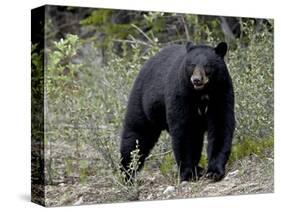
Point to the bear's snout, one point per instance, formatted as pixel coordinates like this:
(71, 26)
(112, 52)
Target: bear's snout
(199, 78)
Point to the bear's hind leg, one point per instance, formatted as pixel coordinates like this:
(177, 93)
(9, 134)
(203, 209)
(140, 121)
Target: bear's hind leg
(144, 139)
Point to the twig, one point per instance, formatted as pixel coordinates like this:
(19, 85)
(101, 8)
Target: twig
(143, 33)
(185, 28)
(159, 154)
(133, 42)
(182, 41)
(226, 29)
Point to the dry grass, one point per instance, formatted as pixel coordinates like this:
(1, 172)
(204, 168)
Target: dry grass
(250, 175)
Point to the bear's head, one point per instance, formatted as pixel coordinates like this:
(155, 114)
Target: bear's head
(204, 64)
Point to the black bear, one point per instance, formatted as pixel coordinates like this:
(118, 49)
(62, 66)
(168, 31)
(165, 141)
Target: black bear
(186, 90)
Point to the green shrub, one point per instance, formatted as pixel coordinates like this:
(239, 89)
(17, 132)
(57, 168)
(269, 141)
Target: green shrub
(251, 68)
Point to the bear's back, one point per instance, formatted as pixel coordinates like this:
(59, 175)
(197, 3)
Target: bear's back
(156, 70)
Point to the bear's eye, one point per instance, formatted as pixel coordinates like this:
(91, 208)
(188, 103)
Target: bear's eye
(208, 69)
(207, 72)
(190, 66)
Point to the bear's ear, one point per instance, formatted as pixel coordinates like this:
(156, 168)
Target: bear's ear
(188, 46)
(221, 49)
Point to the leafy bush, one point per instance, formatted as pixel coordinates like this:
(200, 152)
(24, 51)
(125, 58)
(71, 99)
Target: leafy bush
(251, 68)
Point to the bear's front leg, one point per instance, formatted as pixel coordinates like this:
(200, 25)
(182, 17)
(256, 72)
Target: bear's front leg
(187, 144)
(187, 132)
(218, 154)
(221, 124)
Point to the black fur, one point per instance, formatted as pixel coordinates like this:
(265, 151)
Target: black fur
(163, 98)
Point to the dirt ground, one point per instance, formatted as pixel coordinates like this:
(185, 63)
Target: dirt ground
(251, 175)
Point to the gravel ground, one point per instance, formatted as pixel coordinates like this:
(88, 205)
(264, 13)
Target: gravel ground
(251, 175)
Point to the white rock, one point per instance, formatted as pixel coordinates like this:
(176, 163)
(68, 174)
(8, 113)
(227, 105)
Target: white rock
(184, 183)
(231, 174)
(270, 159)
(169, 190)
(79, 202)
(149, 197)
(234, 173)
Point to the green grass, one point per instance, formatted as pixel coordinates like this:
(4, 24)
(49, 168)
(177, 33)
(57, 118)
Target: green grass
(245, 148)
(239, 151)
(250, 147)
